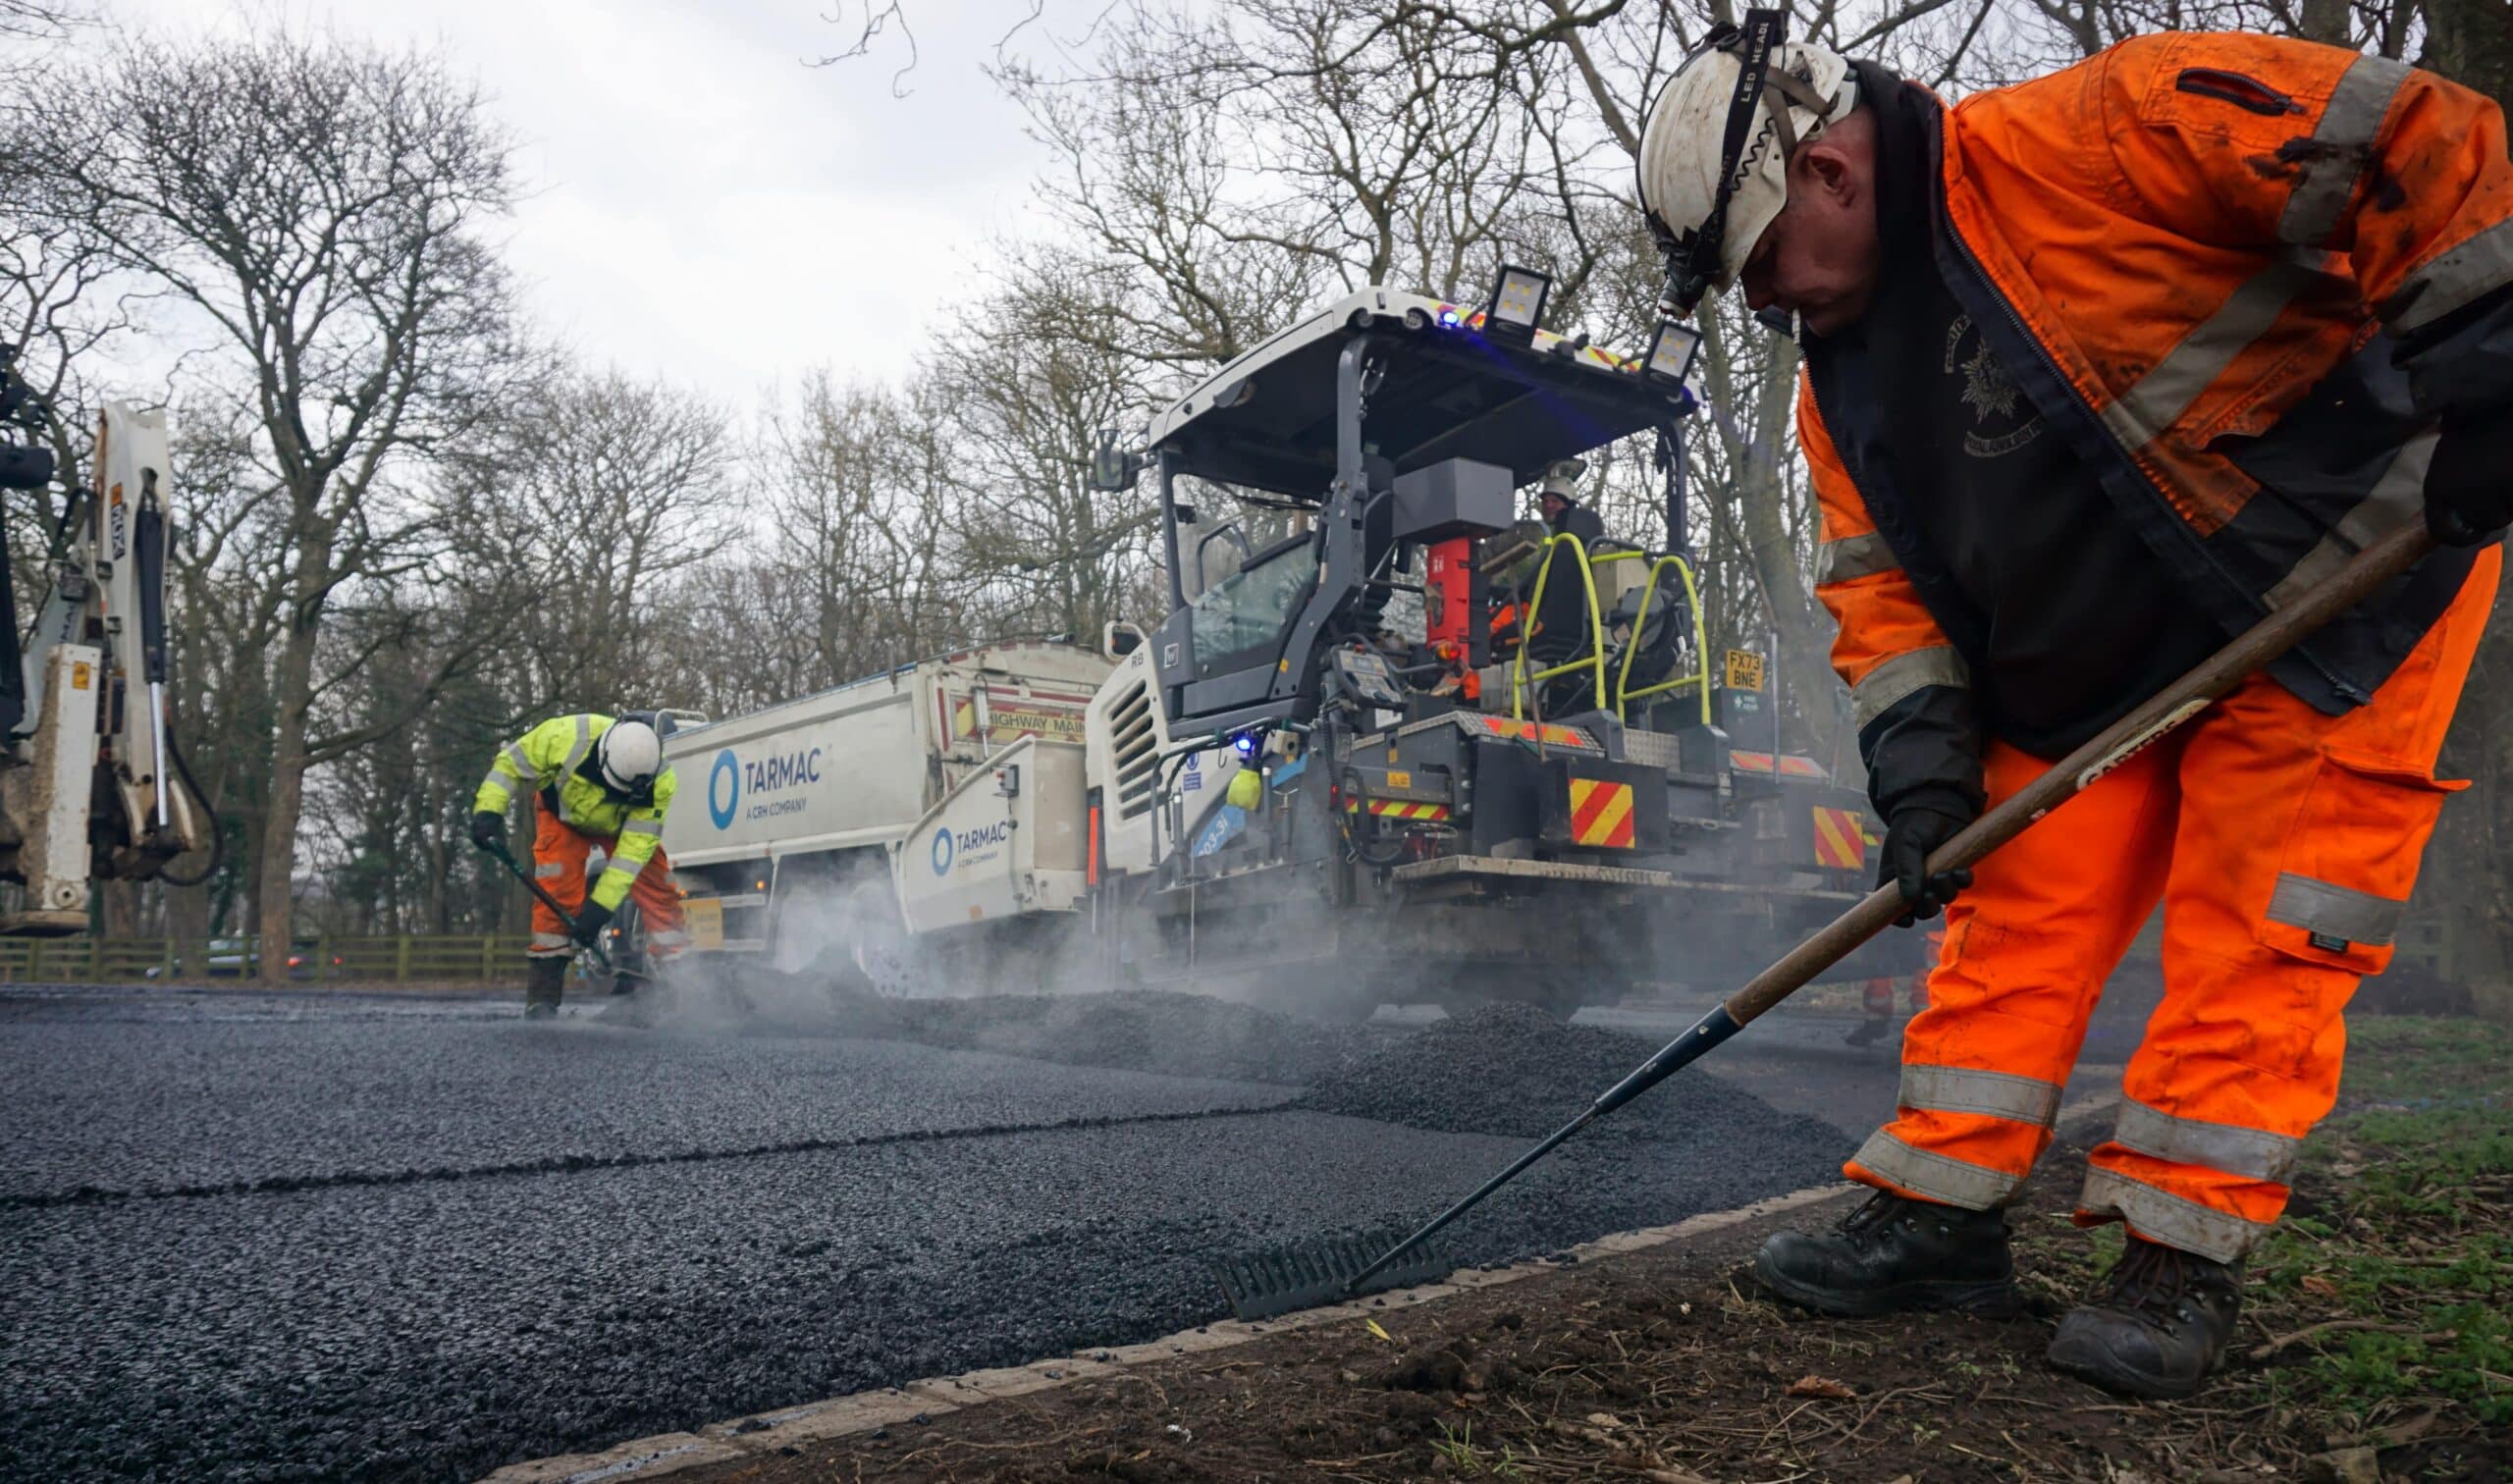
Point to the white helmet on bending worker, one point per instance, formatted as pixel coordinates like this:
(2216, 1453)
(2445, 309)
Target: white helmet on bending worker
(1696, 138)
(629, 755)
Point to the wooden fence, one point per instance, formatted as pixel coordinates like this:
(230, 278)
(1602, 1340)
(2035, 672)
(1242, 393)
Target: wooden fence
(408, 959)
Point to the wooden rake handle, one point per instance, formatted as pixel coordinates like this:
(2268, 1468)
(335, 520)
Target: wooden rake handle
(2176, 703)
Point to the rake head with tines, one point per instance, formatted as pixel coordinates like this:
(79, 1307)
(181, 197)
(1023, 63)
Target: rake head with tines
(1283, 1280)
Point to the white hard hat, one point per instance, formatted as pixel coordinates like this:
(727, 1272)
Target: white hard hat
(1685, 150)
(629, 755)
(1561, 475)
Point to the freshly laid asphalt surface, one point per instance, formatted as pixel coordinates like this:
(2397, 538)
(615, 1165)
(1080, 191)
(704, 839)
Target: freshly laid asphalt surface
(253, 1236)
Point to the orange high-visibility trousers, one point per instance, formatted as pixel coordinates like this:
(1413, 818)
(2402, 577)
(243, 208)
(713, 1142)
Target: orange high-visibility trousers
(559, 854)
(2282, 844)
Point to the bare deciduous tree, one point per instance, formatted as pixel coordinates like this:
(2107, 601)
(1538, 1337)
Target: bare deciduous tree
(317, 208)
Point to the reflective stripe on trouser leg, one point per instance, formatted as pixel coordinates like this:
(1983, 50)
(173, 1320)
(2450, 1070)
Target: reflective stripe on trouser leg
(2298, 833)
(2026, 949)
(2161, 1216)
(1888, 1160)
(1963, 1089)
(559, 854)
(549, 945)
(658, 902)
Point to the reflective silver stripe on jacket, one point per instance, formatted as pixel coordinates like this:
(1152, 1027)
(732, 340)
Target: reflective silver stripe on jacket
(522, 761)
(1964, 1089)
(505, 784)
(2167, 392)
(2169, 1219)
(2341, 144)
(2453, 279)
(2398, 498)
(575, 758)
(1876, 691)
(2359, 917)
(1854, 557)
(2252, 1153)
(1934, 1174)
(642, 827)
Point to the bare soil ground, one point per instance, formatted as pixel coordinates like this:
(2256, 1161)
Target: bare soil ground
(2375, 1346)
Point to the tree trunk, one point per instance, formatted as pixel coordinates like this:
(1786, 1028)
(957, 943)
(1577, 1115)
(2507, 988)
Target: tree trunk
(2471, 42)
(2325, 21)
(294, 685)
(1804, 662)
(187, 913)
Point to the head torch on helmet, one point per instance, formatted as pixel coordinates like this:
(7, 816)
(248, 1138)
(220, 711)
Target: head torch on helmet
(1765, 87)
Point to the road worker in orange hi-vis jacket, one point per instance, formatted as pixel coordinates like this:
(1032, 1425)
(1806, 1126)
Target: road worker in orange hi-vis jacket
(2099, 370)
(602, 783)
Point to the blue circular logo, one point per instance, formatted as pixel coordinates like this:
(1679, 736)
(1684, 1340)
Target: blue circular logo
(723, 789)
(942, 852)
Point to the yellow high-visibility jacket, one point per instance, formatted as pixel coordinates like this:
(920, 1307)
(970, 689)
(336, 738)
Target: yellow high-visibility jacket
(553, 759)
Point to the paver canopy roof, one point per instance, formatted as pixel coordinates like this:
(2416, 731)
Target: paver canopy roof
(1268, 419)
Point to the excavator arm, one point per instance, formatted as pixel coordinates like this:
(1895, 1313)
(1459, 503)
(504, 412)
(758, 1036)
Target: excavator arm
(90, 786)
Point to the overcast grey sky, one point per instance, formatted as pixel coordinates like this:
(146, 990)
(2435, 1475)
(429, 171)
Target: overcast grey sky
(708, 207)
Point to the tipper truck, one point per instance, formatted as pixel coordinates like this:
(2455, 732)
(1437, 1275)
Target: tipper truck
(790, 816)
(1386, 744)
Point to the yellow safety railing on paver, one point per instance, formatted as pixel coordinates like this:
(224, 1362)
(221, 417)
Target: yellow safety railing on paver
(1622, 691)
(1595, 658)
(403, 959)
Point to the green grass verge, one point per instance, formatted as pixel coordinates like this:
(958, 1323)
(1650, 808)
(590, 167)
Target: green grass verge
(2401, 1239)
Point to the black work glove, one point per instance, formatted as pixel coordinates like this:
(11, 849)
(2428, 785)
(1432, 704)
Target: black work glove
(1923, 757)
(591, 921)
(489, 830)
(2469, 485)
(1911, 836)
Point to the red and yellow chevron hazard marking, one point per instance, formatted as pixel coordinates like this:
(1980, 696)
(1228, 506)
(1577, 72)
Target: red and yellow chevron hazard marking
(1399, 808)
(1840, 839)
(1531, 731)
(1789, 764)
(1601, 814)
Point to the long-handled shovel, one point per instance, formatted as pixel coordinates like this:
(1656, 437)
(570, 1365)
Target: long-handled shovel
(567, 920)
(1312, 1280)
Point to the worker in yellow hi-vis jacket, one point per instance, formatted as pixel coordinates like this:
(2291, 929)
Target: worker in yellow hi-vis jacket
(601, 782)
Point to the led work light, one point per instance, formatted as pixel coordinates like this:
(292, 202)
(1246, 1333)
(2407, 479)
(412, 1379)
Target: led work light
(1518, 302)
(1672, 350)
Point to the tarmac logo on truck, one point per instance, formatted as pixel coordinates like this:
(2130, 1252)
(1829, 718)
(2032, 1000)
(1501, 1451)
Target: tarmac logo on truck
(969, 847)
(723, 788)
(732, 777)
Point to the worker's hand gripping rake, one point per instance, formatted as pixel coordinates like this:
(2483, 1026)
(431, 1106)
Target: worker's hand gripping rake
(567, 920)
(2177, 703)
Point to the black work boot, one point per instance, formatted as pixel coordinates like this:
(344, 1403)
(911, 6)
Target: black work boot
(544, 980)
(2157, 1325)
(1896, 1253)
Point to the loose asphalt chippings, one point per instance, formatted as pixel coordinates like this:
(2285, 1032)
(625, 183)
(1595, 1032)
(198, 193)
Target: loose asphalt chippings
(1515, 1069)
(755, 1221)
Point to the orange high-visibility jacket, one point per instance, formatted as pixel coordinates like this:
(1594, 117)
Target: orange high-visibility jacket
(2172, 248)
